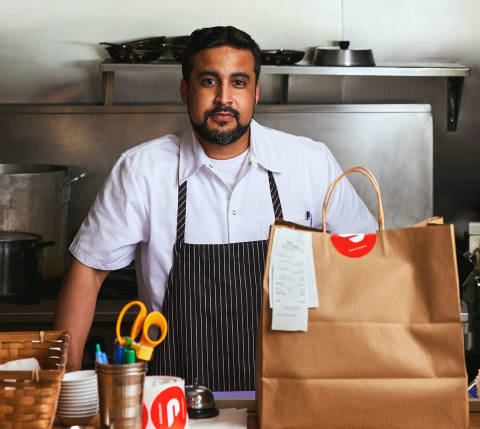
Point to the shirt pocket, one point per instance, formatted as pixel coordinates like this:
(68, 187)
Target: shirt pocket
(298, 218)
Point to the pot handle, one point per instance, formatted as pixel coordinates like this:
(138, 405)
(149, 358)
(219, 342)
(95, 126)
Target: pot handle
(45, 244)
(75, 179)
(41, 245)
(66, 187)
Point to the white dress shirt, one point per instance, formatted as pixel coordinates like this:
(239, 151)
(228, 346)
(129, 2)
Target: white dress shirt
(135, 212)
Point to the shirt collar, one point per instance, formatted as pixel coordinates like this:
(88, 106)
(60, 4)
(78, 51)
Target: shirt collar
(262, 150)
(191, 157)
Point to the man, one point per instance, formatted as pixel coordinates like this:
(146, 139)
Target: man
(194, 212)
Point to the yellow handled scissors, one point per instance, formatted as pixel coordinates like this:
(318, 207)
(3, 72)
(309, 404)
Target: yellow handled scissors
(143, 322)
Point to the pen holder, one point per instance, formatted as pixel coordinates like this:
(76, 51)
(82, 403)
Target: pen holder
(120, 394)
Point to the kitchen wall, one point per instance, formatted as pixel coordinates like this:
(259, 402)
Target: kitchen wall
(49, 50)
(49, 53)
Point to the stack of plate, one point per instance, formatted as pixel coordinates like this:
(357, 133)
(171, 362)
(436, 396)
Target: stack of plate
(78, 400)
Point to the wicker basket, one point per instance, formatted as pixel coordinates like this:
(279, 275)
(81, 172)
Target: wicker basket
(28, 399)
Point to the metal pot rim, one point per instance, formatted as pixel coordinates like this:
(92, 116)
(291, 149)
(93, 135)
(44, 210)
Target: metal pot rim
(336, 49)
(29, 169)
(18, 237)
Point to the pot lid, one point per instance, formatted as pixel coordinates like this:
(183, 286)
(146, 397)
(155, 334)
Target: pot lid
(14, 236)
(341, 56)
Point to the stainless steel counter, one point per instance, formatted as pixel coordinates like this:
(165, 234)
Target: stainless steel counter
(41, 316)
(44, 312)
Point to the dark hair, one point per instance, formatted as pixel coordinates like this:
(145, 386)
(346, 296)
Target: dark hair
(213, 37)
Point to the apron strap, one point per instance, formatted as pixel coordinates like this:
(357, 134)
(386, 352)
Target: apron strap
(182, 205)
(181, 211)
(277, 206)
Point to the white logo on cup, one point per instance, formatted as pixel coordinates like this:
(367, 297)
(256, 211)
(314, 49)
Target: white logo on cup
(165, 405)
(173, 408)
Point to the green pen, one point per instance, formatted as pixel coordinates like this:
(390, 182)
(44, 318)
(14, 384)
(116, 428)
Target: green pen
(128, 352)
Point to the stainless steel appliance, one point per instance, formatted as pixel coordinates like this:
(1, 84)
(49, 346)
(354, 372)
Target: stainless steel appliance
(470, 301)
(34, 198)
(357, 134)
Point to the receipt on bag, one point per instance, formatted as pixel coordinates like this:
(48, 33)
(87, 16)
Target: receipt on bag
(289, 318)
(292, 284)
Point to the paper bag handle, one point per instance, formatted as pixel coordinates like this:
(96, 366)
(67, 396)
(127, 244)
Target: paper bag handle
(366, 172)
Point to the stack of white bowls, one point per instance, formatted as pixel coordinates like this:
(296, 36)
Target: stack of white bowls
(78, 401)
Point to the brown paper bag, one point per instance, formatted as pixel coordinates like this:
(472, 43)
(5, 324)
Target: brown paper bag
(383, 349)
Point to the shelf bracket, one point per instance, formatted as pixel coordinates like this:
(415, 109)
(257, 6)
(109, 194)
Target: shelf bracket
(108, 78)
(454, 96)
(284, 97)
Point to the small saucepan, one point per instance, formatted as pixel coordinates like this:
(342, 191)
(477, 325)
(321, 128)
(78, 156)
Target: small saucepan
(21, 264)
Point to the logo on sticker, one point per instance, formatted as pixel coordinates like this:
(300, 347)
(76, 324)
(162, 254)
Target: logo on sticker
(169, 409)
(354, 245)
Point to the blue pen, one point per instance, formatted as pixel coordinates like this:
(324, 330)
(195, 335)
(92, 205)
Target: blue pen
(473, 388)
(100, 356)
(308, 216)
(118, 355)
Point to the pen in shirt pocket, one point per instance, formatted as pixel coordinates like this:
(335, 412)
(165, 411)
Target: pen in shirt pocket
(308, 218)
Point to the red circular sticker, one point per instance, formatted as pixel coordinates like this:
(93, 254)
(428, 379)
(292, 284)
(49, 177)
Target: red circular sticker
(169, 409)
(354, 245)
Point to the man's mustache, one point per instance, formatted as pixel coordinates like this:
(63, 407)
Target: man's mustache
(222, 109)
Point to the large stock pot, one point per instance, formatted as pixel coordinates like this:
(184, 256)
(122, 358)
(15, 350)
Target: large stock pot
(34, 198)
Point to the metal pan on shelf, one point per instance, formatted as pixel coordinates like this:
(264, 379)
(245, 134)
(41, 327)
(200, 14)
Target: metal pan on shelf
(281, 57)
(341, 56)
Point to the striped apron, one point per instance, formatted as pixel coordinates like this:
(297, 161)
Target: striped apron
(212, 304)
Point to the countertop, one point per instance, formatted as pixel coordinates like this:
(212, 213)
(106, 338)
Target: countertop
(252, 423)
(250, 404)
(474, 420)
(221, 403)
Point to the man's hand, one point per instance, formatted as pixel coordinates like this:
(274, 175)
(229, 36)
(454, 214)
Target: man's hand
(76, 307)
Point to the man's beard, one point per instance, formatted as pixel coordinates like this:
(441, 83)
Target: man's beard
(221, 138)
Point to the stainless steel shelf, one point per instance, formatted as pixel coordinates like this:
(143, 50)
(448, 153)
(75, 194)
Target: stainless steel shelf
(454, 72)
(385, 69)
